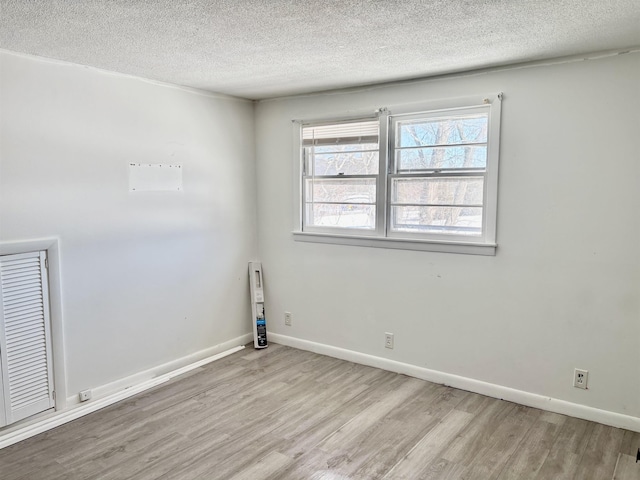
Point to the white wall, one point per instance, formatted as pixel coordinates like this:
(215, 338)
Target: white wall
(563, 290)
(147, 278)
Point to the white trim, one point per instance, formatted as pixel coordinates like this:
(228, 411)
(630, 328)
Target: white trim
(464, 383)
(44, 424)
(166, 368)
(490, 105)
(397, 243)
(298, 168)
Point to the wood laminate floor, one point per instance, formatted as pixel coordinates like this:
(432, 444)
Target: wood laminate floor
(283, 413)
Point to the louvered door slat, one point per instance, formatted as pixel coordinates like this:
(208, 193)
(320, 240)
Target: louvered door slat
(33, 373)
(25, 297)
(29, 398)
(29, 364)
(18, 286)
(10, 265)
(20, 289)
(18, 278)
(24, 336)
(25, 391)
(13, 264)
(19, 271)
(31, 378)
(23, 291)
(23, 320)
(25, 343)
(25, 327)
(21, 308)
(24, 355)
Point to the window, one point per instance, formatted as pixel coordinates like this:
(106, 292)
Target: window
(341, 172)
(407, 178)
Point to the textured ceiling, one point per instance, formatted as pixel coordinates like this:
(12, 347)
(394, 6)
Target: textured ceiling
(266, 48)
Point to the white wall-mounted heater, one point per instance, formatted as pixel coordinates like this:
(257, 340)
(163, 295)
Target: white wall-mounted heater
(259, 320)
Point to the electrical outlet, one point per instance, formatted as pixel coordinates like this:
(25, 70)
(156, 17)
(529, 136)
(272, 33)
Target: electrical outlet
(388, 340)
(84, 395)
(287, 318)
(580, 378)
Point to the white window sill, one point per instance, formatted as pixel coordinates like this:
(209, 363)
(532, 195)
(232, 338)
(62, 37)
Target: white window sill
(466, 248)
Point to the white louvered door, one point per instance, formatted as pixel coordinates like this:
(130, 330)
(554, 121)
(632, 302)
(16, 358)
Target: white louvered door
(25, 337)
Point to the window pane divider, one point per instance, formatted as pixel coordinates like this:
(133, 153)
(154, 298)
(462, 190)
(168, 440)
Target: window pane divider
(338, 177)
(338, 203)
(347, 151)
(329, 177)
(448, 205)
(443, 145)
(438, 173)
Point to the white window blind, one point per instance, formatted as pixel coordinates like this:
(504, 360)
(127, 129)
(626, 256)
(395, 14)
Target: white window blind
(25, 338)
(341, 133)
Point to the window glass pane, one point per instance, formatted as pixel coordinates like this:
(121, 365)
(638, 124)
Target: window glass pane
(443, 220)
(442, 131)
(434, 158)
(438, 191)
(348, 190)
(341, 215)
(343, 159)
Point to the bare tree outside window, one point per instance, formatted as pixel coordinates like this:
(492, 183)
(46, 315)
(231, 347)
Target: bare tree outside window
(439, 184)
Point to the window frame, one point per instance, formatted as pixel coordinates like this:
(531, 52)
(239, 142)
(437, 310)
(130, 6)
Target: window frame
(380, 177)
(382, 236)
(487, 220)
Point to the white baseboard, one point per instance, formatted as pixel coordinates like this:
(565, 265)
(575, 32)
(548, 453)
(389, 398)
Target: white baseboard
(491, 390)
(146, 375)
(114, 392)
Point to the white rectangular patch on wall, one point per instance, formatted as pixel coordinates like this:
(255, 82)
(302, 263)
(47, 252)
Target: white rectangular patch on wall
(155, 177)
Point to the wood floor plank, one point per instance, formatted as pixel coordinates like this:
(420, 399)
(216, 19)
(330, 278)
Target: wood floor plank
(281, 413)
(505, 439)
(630, 443)
(567, 450)
(527, 460)
(134, 462)
(40, 471)
(369, 450)
(263, 468)
(470, 441)
(190, 454)
(601, 453)
(430, 446)
(442, 469)
(337, 411)
(132, 438)
(313, 463)
(385, 445)
(385, 448)
(627, 468)
(371, 415)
